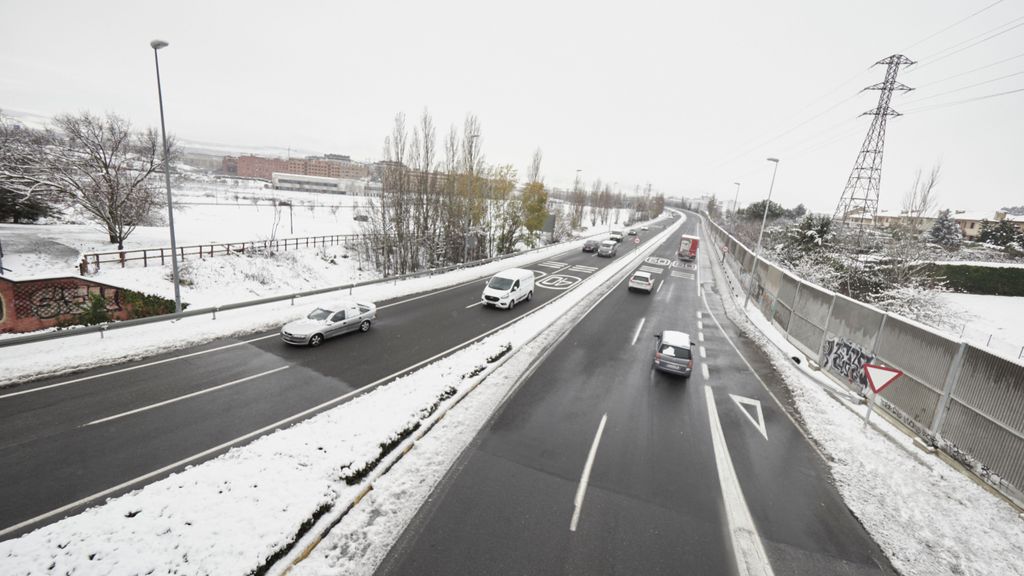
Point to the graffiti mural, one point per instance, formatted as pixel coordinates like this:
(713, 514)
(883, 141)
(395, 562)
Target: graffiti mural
(51, 301)
(846, 359)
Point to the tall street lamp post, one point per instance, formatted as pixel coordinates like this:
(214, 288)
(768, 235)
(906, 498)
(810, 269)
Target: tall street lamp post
(735, 207)
(156, 45)
(757, 251)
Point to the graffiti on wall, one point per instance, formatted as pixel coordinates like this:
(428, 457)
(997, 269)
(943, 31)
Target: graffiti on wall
(846, 359)
(51, 300)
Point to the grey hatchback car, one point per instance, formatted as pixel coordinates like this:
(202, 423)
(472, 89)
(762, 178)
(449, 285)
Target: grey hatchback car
(673, 353)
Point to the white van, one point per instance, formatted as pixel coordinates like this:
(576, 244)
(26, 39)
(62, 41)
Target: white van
(509, 287)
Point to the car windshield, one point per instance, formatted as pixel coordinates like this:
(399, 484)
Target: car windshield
(641, 278)
(675, 351)
(499, 283)
(319, 314)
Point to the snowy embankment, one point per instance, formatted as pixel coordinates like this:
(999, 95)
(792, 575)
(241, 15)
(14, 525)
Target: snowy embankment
(243, 511)
(995, 322)
(928, 518)
(72, 353)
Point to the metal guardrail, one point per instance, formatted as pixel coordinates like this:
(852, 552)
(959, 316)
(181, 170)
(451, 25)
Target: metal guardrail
(101, 328)
(92, 261)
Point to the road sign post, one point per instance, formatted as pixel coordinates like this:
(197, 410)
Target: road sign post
(878, 378)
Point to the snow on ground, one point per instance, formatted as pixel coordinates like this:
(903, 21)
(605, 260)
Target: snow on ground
(229, 514)
(928, 518)
(47, 358)
(998, 317)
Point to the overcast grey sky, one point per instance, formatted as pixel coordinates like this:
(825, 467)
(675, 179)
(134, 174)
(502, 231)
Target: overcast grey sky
(670, 93)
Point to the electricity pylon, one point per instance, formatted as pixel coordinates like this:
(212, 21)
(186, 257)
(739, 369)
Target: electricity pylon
(860, 197)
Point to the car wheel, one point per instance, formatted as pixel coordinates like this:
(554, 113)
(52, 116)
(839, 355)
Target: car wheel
(529, 295)
(316, 340)
(511, 303)
(365, 326)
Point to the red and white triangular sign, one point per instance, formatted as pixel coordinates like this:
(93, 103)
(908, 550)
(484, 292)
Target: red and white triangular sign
(880, 376)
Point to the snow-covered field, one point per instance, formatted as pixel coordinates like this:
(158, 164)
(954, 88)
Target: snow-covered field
(228, 515)
(929, 519)
(995, 322)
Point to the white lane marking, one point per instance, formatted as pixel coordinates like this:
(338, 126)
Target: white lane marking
(186, 396)
(699, 314)
(638, 328)
(703, 354)
(477, 303)
(269, 427)
(130, 368)
(585, 269)
(683, 275)
(551, 264)
(700, 325)
(700, 336)
(660, 284)
(759, 422)
(651, 269)
(751, 558)
(585, 478)
(704, 371)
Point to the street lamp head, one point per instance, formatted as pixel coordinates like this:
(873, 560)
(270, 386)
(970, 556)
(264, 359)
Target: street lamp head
(157, 44)
(736, 183)
(776, 160)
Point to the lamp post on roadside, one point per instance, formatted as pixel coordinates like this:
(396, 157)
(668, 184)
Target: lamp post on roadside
(735, 207)
(156, 45)
(472, 182)
(757, 251)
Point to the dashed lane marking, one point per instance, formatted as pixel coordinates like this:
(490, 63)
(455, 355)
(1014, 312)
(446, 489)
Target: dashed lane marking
(704, 371)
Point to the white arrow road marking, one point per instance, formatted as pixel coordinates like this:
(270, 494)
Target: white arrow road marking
(751, 559)
(759, 423)
(585, 478)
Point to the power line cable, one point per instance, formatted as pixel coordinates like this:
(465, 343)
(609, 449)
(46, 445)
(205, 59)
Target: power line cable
(957, 23)
(958, 103)
(915, 101)
(937, 58)
(979, 68)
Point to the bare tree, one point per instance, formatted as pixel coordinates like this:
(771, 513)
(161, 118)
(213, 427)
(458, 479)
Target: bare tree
(105, 168)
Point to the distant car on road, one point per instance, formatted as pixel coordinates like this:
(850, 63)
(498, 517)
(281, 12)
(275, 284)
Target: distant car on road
(641, 281)
(608, 248)
(591, 246)
(644, 228)
(673, 353)
(616, 235)
(330, 321)
(632, 232)
(361, 218)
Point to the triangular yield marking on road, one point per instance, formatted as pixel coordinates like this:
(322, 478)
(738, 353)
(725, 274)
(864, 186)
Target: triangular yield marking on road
(880, 376)
(759, 422)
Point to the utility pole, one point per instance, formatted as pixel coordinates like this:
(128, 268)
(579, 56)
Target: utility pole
(757, 251)
(860, 197)
(735, 207)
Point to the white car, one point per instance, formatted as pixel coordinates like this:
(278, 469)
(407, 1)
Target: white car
(644, 228)
(641, 281)
(330, 321)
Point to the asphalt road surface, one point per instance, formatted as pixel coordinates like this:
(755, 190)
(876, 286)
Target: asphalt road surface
(600, 465)
(69, 442)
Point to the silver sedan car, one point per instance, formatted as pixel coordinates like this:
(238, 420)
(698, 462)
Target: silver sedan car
(329, 321)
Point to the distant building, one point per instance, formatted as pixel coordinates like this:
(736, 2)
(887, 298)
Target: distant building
(327, 166)
(324, 184)
(970, 222)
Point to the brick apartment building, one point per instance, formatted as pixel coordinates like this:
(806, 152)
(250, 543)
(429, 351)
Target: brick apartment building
(327, 166)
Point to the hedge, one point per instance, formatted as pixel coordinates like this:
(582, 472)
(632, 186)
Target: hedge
(997, 281)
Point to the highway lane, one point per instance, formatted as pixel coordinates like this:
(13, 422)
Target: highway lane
(653, 502)
(56, 448)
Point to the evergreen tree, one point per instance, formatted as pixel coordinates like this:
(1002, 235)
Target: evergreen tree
(999, 233)
(945, 232)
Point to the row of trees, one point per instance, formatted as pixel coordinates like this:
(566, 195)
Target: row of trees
(445, 205)
(99, 165)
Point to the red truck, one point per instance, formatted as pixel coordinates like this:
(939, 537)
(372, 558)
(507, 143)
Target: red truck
(688, 247)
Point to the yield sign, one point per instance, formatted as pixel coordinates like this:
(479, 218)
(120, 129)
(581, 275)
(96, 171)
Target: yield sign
(759, 421)
(880, 376)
